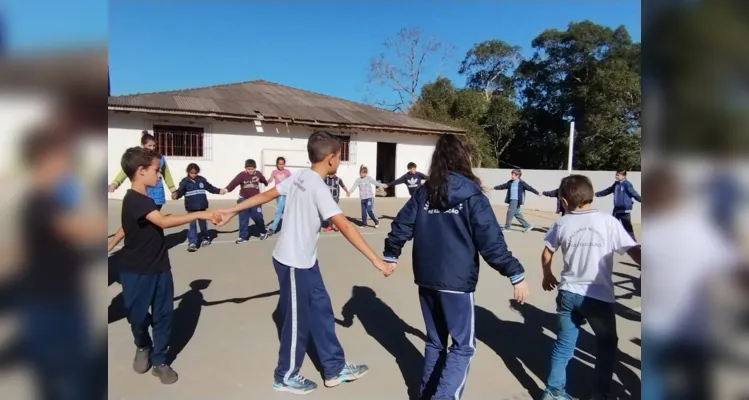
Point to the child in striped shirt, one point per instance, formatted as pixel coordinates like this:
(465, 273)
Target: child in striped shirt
(364, 184)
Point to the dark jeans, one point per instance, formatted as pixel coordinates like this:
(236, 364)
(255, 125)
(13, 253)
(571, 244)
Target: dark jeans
(55, 340)
(513, 211)
(192, 232)
(255, 214)
(572, 310)
(367, 207)
(305, 312)
(139, 294)
(447, 315)
(626, 220)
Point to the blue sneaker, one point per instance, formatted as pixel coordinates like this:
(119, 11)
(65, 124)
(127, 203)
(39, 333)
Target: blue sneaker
(240, 241)
(349, 373)
(553, 395)
(296, 385)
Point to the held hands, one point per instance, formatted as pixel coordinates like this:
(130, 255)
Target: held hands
(174, 196)
(222, 191)
(550, 282)
(521, 292)
(384, 186)
(111, 187)
(224, 216)
(348, 194)
(385, 267)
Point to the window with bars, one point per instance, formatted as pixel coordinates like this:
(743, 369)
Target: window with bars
(346, 155)
(182, 141)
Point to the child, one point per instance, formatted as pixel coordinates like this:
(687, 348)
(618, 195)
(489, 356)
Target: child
(277, 176)
(156, 192)
(412, 179)
(588, 240)
(193, 188)
(364, 184)
(515, 198)
(451, 222)
(250, 179)
(145, 271)
(304, 304)
(623, 192)
(334, 183)
(555, 193)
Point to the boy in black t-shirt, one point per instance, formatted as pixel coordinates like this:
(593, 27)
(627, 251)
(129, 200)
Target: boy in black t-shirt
(145, 271)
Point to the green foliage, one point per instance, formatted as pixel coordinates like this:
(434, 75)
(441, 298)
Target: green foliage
(517, 111)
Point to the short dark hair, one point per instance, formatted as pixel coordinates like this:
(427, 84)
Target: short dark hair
(41, 141)
(280, 159)
(621, 172)
(322, 144)
(250, 163)
(517, 172)
(577, 190)
(137, 157)
(411, 165)
(192, 166)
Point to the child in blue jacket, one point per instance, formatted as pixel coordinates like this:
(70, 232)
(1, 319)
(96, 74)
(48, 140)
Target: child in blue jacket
(451, 223)
(623, 192)
(193, 188)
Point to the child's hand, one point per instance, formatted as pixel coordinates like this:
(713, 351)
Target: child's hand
(111, 187)
(348, 194)
(384, 186)
(174, 195)
(549, 283)
(385, 267)
(521, 292)
(222, 191)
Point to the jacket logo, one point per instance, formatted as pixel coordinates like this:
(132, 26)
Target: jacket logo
(200, 185)
(411, 182)
(455, 210)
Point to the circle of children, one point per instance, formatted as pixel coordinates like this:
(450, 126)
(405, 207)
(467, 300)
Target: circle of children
(445, 265)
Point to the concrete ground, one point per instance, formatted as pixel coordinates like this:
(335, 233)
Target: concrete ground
(228, 350)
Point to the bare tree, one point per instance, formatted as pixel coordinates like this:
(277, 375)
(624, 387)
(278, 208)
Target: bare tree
(401, 67)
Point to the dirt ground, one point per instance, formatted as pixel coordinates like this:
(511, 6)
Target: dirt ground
(229, 350)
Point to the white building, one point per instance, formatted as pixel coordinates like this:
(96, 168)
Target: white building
(219, 127)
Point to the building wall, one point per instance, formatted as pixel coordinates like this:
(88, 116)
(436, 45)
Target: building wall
(231, 143)
(543, 180)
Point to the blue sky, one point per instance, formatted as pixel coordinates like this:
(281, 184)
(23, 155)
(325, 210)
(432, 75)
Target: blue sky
(321, 46)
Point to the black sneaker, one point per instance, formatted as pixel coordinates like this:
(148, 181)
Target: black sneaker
(205, 242)
(166, 374)
(142, 361)
(264, 236)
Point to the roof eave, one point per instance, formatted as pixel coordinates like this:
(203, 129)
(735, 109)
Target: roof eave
(265, 118)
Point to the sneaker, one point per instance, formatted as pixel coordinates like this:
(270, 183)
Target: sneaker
(296, 385)
(240, 240)
(506, 230)
(528, 229)
(192, 247)
(350, 373)
(549, 395)
(271, 232)
(142, 361)
(377, 225)
(166, 374)
(328, 228)
(205, 242)
(264, 236)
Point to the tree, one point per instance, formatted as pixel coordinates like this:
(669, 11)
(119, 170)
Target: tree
(401, 68)
(440, 101)
(489, 67)
(590, 74)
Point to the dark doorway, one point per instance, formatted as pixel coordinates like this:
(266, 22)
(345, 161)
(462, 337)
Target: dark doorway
(386, 165)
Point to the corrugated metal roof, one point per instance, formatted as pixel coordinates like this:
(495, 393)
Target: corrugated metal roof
(271, 100)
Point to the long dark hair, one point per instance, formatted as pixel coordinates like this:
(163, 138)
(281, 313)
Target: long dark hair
(450, 155)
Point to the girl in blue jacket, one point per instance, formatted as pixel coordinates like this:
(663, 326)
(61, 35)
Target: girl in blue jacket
(451, 222)
(193, 187)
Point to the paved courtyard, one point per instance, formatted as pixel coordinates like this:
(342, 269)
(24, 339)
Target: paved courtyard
(225, 340)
